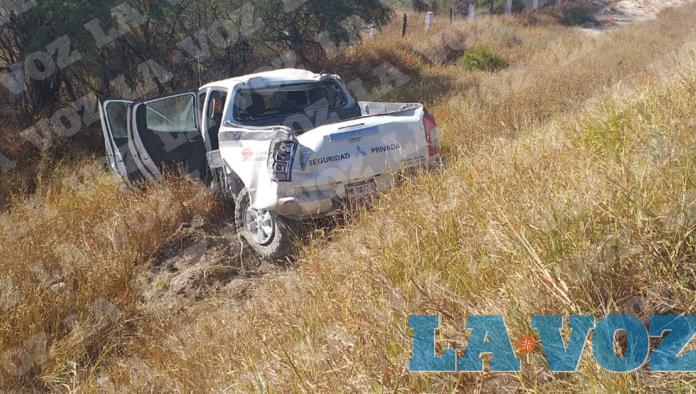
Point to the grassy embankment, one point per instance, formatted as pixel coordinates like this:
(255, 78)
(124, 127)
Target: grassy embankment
(565, 194)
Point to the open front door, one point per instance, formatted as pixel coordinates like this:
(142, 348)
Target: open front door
(164, 133)
(143, 138)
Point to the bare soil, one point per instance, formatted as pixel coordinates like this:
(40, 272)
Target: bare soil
(201, 259)
(617, 13)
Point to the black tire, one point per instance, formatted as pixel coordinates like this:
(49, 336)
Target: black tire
(276, 245)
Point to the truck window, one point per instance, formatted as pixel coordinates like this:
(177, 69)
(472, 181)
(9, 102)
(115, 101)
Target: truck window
(171, 115)
(283, 101)
(117, 114)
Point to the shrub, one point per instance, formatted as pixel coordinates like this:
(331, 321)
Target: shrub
(578, 16)
(482, 59)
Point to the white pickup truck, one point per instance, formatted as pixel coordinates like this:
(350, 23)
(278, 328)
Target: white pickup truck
(286, 145)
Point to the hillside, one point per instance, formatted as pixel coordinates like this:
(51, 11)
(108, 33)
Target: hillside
(569, 190)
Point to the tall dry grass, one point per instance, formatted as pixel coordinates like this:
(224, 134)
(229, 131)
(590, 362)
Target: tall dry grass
(583, 210)
(69, 255)
(588, 209)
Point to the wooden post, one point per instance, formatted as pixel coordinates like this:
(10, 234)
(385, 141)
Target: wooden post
(535, 5)
(451, 13)
(428, 20)
(508, 7)
(472, 12)
(403, 29)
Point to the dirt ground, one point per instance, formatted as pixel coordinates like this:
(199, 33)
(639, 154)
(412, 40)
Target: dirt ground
(617, 13)
(201, 259)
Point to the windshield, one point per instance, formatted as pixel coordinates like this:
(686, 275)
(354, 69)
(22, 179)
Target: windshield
(257, 104)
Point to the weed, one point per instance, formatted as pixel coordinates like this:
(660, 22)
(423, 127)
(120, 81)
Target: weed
(482, 59)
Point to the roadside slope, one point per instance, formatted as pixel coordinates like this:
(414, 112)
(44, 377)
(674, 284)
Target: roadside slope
(138, 289)
(585, 210)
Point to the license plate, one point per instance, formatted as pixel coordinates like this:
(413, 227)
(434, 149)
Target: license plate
(361, 190)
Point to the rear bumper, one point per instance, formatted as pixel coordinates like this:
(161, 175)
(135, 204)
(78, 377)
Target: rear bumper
(320, 203)
(309, 205)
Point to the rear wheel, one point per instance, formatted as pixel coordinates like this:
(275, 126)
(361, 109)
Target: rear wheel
(268, 234)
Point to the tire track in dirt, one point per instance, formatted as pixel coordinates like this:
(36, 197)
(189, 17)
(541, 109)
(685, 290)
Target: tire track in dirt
(201, 259)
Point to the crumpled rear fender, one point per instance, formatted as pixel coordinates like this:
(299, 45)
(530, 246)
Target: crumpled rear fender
(245, 153)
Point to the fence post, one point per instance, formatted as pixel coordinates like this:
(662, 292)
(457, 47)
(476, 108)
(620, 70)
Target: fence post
(535, 5)
(403, 29)
(472, 12)
(508, 7)
(428, 20)
(372, 30)
(451, 13)
(558, 2)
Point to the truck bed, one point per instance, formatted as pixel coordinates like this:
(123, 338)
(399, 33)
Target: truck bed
(331, 158)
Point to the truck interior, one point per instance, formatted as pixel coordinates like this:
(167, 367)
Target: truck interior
(167, 130)
(214, 113)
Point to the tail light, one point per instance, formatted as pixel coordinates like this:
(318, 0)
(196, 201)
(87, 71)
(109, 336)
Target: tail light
(431, 134)
(280, 162)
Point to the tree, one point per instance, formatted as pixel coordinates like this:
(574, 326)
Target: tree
(56, 51)
(297, 25)
(38, 46)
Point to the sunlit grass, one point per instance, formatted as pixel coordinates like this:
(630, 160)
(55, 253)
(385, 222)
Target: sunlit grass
(68, 256)
(570, 189)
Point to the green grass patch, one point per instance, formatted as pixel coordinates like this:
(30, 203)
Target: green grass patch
(482, 59)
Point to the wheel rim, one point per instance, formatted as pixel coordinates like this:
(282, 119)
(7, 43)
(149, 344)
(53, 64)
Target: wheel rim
(260, 225)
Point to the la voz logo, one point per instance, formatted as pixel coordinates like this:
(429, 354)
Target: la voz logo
(489, 336)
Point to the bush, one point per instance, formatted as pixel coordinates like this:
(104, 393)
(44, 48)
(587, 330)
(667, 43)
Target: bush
(482, 59)
(578, 16)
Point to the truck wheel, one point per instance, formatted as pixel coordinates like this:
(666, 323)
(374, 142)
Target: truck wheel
(268, 234)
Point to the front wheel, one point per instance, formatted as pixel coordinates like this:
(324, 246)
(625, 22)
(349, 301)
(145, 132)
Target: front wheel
(267, 233)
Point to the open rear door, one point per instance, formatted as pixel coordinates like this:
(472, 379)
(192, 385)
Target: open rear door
(143, 138)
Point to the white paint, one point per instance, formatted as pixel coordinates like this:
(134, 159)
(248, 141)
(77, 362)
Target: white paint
(358, 160)
(428, 20)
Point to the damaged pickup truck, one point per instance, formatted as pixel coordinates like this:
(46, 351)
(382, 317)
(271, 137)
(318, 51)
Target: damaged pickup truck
(286, 145)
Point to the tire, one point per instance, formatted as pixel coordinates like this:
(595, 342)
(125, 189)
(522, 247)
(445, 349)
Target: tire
(274, 235)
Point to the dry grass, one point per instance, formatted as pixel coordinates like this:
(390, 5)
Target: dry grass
(68, 256)
(590, 215)
(588, 208)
